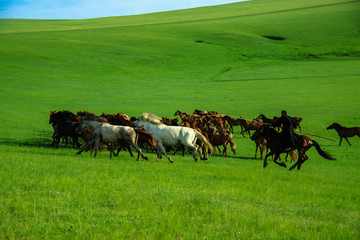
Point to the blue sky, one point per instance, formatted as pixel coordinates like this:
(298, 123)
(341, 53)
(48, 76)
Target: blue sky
(81, 9)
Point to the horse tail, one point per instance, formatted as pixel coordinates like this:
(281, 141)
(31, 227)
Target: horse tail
(322, 152)
(203, 139)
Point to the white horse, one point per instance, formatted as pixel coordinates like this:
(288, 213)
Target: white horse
(108, 133)
(171, 135)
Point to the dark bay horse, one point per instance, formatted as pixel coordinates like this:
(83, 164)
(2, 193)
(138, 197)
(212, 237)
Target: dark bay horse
(276, 145)
(307, 144)
(345, 132)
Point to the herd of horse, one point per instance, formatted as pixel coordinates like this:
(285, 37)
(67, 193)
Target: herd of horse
(201, 132)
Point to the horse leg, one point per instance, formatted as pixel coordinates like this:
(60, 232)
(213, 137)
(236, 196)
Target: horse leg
(225, 150)
(262, 148)
(86, 146)
(202, 153)
(158, 153)
(299, 161)
(97, 144)
(265, 160)
(194, 153)
(340, 140)
(302, 159)
(281, 164)
(126, 145)
(347, 141)
(129, 150)
(138, 149)
(242, 131)
(57, 141)
(162, 149)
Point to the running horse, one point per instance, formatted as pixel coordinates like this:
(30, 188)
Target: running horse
(345, 132)
(171, 135)
(110, 134)
(277, 146)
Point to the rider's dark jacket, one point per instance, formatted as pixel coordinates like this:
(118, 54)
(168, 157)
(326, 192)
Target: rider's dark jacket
(287, 133)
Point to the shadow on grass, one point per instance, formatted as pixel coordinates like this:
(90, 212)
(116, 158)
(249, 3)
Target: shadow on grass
(236, 157)
(37, 142)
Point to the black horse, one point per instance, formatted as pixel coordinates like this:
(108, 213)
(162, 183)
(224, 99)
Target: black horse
(276, 145)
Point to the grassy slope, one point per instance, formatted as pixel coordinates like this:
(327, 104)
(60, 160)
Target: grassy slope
(73, 69)
(153, 63)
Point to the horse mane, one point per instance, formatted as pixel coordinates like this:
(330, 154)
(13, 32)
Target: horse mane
(273, 130)
(93, 117)
(152, 118)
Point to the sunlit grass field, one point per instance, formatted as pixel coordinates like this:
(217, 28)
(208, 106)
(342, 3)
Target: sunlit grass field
(212, 58)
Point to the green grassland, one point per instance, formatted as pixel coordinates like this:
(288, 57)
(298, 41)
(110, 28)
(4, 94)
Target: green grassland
(211, 58)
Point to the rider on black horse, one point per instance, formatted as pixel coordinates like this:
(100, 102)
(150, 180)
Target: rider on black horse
(289, 138)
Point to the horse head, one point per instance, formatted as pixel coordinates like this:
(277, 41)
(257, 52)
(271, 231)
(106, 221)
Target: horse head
(264, 130)
(138, 122)
(82, 126)
(261, 116)
(52, 117)
(258, 133)
(178, 112)
(333, 126)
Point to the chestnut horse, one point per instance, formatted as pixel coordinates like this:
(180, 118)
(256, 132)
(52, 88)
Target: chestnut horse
(223, 139)
(345, 132)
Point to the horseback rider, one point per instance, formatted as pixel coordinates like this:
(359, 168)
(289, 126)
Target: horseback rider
(288, 135)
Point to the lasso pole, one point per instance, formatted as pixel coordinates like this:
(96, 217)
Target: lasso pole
(315, 135)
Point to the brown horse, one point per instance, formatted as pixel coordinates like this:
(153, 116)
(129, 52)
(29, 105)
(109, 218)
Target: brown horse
(260, 145)
(248, 126)
(267, 120)
(275, 119)
(233, 122)
(345, 132)
(277, 146)
(223, 139)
